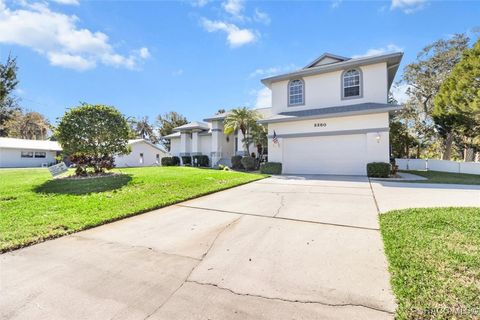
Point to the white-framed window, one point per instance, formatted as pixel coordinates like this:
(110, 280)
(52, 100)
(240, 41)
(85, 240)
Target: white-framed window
(352, 84)
(26, 154)
(157, 158)
(40, 154)
(296, 92)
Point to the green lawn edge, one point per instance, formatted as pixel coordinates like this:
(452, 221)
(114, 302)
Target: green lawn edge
(434, 261)
(444, 177)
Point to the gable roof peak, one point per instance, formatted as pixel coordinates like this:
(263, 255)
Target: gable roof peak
(326, 58)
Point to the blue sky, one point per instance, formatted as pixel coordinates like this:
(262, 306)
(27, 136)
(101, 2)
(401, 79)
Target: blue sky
(149, 57)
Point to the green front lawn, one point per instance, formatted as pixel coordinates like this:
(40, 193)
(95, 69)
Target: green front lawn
(34, 207)
(434, 260)
(445, 177)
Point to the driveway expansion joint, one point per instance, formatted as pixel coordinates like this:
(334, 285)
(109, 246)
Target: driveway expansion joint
(280, 218)
(338, 305)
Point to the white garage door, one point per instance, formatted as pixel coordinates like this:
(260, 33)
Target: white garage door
(343, 154)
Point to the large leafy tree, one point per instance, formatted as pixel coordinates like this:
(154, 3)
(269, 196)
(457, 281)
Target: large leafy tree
(241, 119)
(143, 129)
(424, 78)
(8, 102)
(92, 135)
(31, 125)
(166, 124)
(457, 103)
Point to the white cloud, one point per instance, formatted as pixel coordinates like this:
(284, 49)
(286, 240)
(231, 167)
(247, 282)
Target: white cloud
(408, 6)
(236, 37)
(57, 36)
(335, 4)
(262, 17)
(234, 7)
(265, 72)
(377, 51)
(263, 98)
(399, 92)
(144, 53)
(67, 2)
(177, 73)
(199, 3)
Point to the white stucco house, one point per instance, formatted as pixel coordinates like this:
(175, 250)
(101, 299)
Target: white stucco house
(330, 117)
(143, 154)
(23, 153)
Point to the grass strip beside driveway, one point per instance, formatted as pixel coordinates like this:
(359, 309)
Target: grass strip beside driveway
(434, 260)
(445, 177)
(33, 207)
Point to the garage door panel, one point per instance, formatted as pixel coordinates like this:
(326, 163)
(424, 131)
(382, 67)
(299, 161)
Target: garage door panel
(344, 154)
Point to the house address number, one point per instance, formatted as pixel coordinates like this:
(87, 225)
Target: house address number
(320, 125)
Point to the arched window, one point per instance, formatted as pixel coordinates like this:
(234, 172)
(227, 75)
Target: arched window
(352, 84)
(296, 92)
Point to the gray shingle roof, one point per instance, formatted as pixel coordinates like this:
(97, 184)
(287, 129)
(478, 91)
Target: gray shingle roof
(353, 109)
(193, 125)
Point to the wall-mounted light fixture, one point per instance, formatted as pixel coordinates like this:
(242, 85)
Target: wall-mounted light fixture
(378, 137)
(228, 138)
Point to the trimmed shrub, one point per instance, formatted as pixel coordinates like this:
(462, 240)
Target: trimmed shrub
(237, 162)
(271, 168)
(249, 163)
(378, 169)
(187, 160)
(170, 161)
(200, 161)
(176, 161)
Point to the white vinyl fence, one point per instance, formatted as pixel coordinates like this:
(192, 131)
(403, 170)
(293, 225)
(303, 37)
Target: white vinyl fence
(438, 165)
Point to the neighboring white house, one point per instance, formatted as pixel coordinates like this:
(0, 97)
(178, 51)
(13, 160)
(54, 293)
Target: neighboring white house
(331, 117)
(143, 154)
(23, 153)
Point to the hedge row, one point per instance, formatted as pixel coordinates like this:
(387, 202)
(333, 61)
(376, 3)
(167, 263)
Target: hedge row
(170, 161)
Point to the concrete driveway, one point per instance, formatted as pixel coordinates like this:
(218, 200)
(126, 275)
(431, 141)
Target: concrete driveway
(280, 248)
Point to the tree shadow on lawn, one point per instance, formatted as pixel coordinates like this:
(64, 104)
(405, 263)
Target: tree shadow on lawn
(84, 186)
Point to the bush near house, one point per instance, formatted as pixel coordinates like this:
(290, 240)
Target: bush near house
(237, 162)
(186, 160)
(170, 161)
(201, 161)
(249, 163)
(271, 168)
(378, 169)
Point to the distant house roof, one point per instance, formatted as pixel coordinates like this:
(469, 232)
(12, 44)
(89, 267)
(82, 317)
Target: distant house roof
(219, 116)
(14, 143)
(193, 125)
(337, 111)
(147, 142)
(392, 60)
(173, 135)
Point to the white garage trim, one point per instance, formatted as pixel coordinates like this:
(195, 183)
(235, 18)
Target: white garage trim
(330, 133)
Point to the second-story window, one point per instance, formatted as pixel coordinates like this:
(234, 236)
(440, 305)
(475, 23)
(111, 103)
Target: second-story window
(296, 92)
(352, 83)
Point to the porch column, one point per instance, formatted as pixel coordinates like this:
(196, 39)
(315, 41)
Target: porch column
(184, 143)
(216, 153)
(242, 151)
(195, 146)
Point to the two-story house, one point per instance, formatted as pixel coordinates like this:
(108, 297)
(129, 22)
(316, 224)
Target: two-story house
(331, 117)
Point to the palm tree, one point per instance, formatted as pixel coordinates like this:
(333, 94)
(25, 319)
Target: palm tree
(143, 129)
(242, 119)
